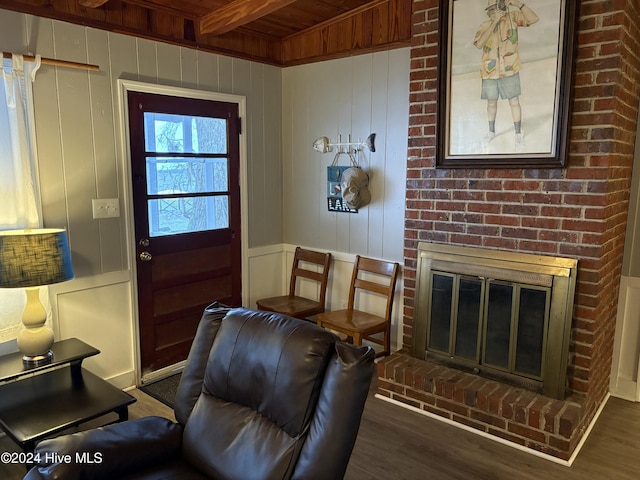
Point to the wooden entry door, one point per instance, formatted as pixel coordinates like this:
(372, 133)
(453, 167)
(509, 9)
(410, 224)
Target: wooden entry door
(185, 159)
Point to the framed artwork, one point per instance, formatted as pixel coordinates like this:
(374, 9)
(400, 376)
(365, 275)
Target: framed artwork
(504, 83)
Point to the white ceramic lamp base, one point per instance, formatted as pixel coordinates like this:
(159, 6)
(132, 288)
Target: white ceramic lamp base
(35, 340)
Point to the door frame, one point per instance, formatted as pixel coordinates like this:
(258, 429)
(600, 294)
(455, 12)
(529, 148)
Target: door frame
(124, 86)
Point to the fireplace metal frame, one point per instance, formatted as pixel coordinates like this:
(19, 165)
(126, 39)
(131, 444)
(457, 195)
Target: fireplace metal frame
(557, 273)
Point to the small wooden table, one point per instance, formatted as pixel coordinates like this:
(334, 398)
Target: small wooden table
(39, 402)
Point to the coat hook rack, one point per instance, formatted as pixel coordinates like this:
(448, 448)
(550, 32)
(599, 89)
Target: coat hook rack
(324, 145)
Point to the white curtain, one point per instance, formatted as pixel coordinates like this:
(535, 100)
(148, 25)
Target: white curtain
(19, 193)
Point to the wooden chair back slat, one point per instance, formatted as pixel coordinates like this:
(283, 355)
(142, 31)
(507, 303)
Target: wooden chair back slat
(322, 260)
(306, 264)
(380, 268)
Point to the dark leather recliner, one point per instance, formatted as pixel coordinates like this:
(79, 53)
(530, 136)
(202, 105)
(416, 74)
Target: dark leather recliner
(262, 396)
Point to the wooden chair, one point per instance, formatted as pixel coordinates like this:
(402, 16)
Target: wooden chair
(359, 325)
(294, 305)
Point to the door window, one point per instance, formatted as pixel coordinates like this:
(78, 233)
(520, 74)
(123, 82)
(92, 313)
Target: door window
(187, 171)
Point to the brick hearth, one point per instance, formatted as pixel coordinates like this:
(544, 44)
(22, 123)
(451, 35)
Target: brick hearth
(550, 426)
(577, 212)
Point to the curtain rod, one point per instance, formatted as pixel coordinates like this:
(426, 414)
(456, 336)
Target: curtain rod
(57, 63)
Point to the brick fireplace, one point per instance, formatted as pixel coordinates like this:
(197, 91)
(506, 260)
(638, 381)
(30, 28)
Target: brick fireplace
(578, 212)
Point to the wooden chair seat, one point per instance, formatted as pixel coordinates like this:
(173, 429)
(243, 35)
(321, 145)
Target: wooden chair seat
(310, 265)
(352, 323)
(299, 307)
(358, 325)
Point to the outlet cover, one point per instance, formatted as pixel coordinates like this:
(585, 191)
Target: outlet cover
(105, 207)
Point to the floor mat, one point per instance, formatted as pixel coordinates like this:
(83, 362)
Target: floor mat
(163, 390)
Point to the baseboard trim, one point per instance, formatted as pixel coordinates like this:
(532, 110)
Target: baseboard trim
(163, 373)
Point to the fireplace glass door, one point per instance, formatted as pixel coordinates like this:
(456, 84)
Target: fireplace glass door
(503, 315)
(489, 324)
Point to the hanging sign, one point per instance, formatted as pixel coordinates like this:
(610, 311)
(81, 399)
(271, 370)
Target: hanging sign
(335, 202)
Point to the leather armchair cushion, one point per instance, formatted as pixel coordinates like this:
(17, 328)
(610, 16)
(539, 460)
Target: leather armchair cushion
(261, 384)
(333, 430)
(113, 451)
(193, 374)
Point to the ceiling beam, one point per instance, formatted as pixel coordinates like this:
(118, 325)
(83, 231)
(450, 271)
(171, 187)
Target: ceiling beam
(92, 3)
(238, 13)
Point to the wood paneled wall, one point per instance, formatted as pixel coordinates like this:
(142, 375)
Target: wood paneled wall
(77, 127)
(358, 96)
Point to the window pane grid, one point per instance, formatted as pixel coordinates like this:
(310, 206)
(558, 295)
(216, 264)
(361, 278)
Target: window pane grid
(185, 134)
(187, 173)
(187, 215)
(179, 175)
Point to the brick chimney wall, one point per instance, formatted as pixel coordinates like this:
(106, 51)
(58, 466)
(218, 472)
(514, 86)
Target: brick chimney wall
(578, 212)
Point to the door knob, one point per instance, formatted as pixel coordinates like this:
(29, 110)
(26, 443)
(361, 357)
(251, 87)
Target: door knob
(146, 256)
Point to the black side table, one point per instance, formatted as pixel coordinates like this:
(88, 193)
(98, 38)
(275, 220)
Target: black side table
(39, 402)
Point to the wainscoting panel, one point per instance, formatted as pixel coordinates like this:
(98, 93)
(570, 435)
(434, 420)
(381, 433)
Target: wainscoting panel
(98, 311)
(625, 370)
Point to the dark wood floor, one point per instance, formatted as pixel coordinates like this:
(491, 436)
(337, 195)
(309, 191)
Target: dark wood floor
(396, 443)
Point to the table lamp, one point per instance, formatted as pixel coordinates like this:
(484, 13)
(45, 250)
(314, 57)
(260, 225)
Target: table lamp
(29, 259)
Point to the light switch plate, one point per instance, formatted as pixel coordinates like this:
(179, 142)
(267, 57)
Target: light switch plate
(105, 207)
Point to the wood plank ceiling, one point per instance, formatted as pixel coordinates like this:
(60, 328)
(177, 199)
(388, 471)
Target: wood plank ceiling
(277, 32)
